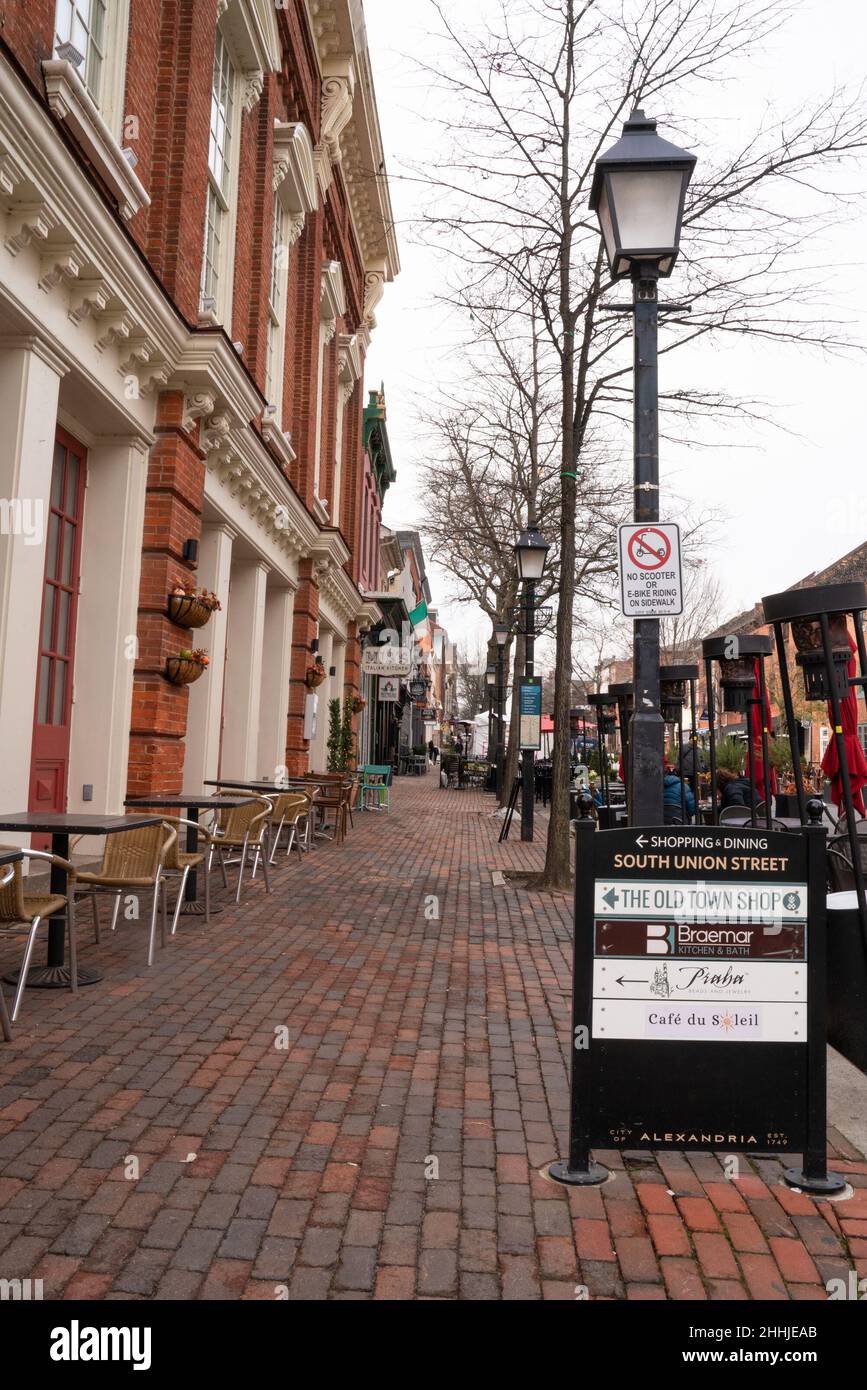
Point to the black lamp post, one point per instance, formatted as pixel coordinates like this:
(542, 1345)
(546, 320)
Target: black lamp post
(501, 633)
(530, 553)
(639, 187)
(490, 683)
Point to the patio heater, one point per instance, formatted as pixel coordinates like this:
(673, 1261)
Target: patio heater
(819, 619)
(605, 706)
(673, 682)
(741, 662)
(623, 693)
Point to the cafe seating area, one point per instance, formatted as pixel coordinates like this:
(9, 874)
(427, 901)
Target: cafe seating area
(168, 859)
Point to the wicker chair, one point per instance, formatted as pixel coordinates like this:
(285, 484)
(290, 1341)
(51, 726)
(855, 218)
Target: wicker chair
(27, 911)
(334, 796)
(291, 809)
(132, 859)
(179, 864)
(243, 828)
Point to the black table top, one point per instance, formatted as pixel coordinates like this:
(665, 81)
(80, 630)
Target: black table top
(73, 822)
(219, 803)
(269, 788)
(10, 856)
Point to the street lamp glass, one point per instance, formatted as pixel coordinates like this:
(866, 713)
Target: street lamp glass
(639, 187)
(490, 675)
(501, 632)
(531, 552)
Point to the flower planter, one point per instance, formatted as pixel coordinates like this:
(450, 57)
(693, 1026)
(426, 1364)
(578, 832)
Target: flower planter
(180, 670)
(315, 677)
(358, 705)
(188, 611)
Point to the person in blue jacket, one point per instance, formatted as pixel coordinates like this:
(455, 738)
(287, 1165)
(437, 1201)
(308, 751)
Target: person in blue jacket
(671, 793)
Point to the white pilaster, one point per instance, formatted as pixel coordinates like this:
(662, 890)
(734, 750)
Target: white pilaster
(319, 746)
(206, 696)
(105, 647)
(30, 377)
(243, 683)
(276, 669)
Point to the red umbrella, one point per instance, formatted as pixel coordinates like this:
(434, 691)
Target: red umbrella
(855, 759)
(756, 727)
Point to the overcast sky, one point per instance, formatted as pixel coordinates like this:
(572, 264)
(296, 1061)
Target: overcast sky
(794, 501)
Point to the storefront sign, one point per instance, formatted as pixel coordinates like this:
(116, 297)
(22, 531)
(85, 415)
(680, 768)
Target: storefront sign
(386, 660)
(531, 712)
(389, 689)
(698, 988)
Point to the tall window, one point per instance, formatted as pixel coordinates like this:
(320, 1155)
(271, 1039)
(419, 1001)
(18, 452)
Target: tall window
(862, 736)
(83, 24)
(276, 301)
(219, 177)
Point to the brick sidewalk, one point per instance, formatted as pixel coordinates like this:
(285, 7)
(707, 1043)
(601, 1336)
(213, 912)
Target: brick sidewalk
(411, 1044)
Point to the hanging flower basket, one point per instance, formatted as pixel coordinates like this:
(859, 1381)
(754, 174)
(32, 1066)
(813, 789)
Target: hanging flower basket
(189, 609)
(186, 668)
(358, 704)
(315, 676)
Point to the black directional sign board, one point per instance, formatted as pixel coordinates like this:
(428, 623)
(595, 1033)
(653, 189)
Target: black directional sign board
(698, 992)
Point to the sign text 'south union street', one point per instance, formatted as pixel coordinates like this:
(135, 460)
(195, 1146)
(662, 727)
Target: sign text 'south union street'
(701, 902)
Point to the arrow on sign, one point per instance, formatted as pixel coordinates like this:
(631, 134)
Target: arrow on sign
(640, 840)
(610, 897)
(622, 981)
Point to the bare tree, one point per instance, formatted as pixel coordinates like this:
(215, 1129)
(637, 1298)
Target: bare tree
(533, 94)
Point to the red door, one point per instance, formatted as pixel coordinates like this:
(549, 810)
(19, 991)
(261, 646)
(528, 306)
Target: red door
(49, 763)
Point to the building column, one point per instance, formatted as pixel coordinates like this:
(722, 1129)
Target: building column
(202, 759)
(305, 619)
(276, 668)
(30, 376)
(243, 682)
(106, 644)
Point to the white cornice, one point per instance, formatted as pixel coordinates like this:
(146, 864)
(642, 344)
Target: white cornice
(332, 296)
(84, 256)
(73, 105)
(208, 363)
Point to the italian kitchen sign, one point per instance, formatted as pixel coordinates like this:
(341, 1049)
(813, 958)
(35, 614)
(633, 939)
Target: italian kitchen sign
(698, 989)
(651, 585)
(386, 660)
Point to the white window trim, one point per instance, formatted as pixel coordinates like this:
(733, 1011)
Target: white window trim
(71, 103)
(349, 373)
(277, 316)
(332, 305)
(228, 200)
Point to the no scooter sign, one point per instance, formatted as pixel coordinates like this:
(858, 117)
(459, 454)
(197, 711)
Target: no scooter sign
(650, 578)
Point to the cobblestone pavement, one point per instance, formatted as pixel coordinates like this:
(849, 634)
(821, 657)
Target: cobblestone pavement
(265, 1110)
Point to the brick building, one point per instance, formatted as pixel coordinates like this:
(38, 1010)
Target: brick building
(195, 231)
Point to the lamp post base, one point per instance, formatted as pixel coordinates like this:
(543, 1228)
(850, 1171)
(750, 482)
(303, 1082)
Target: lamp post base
(824, 1187)
(591, 1176)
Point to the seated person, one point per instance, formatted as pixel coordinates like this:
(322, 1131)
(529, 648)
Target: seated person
(671, 793)
(596, 790)
(734, 789)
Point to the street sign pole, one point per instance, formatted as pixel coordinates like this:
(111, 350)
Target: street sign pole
(580, 1170)
(646, 731)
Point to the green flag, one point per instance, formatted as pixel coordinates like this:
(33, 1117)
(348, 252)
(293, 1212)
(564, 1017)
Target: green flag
(419, 614)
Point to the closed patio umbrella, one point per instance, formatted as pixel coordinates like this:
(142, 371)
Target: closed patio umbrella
(855, 759)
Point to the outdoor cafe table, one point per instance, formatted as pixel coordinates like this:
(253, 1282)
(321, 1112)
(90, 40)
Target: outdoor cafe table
(192, 804)
(54, 974)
